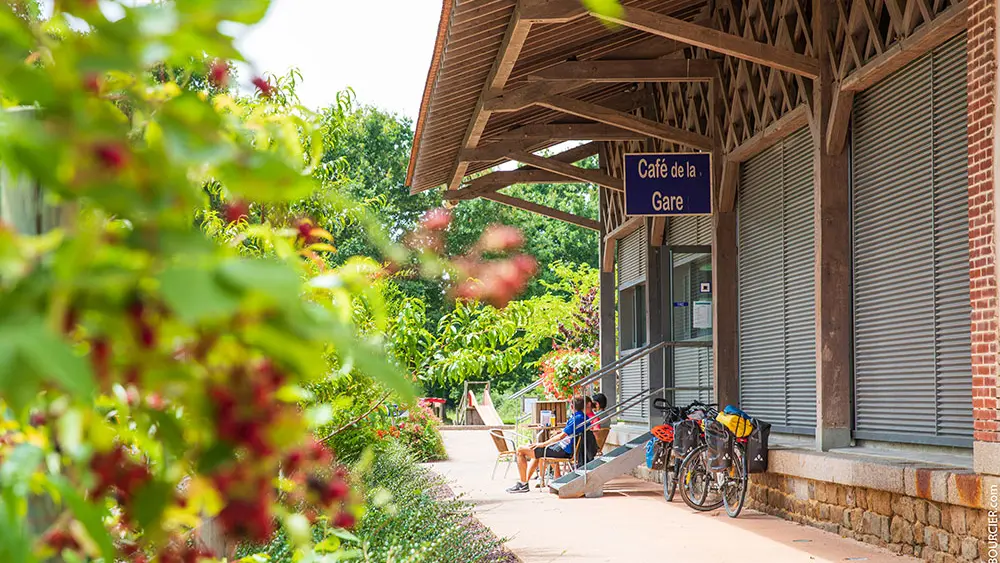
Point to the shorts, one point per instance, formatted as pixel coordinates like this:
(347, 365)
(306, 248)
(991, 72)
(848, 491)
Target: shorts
(551, 452)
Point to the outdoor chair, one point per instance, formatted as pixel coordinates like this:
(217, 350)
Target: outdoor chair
(506, 444)
(561, 464)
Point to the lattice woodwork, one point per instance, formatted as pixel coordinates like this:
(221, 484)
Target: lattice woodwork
(754, 95)
(867, 28)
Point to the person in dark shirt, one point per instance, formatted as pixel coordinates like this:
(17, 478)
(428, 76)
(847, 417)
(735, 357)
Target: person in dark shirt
(559, 446)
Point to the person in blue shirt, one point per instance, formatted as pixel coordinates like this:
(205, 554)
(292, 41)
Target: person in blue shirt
(559, 446)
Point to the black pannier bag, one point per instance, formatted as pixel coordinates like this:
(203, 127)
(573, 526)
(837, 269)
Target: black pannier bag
(719, 440)
(686, 434)
(661, 452)
(757, 447)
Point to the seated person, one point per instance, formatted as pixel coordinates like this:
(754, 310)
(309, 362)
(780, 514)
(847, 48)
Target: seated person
(558, 446)
(599, 402)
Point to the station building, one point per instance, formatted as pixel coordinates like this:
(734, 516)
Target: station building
(844, 285)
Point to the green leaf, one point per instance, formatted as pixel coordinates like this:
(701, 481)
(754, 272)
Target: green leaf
(219, 453)
(194, 294)
(150, 501)
(169, 430)
(50, 357)
(274, 279)
(89, 515)
(239, 11)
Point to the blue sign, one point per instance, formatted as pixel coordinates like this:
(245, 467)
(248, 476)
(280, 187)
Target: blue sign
(680, 303)
(668, 184)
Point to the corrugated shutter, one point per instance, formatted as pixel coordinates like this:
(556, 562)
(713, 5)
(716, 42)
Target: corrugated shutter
(776, 280)
(913, 373)
(689, 231)
(632, 256)
(632, 260)
(635, 379)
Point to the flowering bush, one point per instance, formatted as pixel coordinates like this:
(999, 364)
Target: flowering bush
(158, 347)
(419, 432)
(561, 368)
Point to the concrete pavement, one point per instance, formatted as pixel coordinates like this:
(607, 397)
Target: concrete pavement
(631, 523)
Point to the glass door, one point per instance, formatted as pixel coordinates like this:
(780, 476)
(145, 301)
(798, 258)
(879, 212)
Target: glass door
(690, 369)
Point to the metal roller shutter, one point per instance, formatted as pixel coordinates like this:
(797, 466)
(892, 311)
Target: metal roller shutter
(689, 231)
(632, 257)
(632, 260)
(776, 281)
(913, 374)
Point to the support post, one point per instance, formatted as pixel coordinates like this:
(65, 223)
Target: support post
(831, 191)
(608, 294)
(725, 346)
(656, 300)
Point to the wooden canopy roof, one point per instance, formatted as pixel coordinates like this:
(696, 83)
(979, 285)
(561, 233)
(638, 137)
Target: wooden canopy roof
(510, 77)
(485, 47)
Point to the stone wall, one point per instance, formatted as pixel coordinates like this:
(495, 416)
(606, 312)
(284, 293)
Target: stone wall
(931, 530)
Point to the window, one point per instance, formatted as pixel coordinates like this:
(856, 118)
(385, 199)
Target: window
(632, 315)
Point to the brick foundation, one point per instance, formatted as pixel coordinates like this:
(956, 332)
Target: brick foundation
(934, 531)
(982, 59)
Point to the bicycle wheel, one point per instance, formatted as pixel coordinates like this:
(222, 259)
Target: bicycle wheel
(670, 472)
(697, 484)
(734, 487)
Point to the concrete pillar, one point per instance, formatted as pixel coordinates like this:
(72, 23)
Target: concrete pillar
(725, 301)
(657, 296)
(984, 124)
(608, 308)
(833, 257)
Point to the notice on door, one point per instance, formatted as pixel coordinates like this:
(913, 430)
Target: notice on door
(702, 317)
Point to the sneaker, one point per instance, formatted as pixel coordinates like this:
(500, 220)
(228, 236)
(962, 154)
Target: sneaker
(519, 488)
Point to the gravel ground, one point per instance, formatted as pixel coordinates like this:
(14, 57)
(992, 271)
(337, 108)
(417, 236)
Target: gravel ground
(501, 554)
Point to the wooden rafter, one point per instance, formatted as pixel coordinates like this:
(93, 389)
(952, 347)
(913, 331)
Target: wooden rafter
(585, 175)
(786, 125)
(495, 181)
(569, 132)
(510, 49)
(715, 40)
(544, 210)
(656, 70)
(647, 127)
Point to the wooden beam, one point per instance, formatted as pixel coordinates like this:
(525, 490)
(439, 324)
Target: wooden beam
(585, 175)
(500, 150)
(657, 70)
(608, 264)
(552, 11)
(510, 49)
(840, 117)
(715, 40)
(525, 96)
(570, 132)
(543, 210)
(626, 228)
(647, 127)
(946, 25)
(499, 180)
(659, 229)
(728, 185)
(576, 154)
(784, 126)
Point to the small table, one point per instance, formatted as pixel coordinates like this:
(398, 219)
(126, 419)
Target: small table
(543, 433)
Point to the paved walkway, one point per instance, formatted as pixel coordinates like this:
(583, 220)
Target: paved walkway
(631, 523)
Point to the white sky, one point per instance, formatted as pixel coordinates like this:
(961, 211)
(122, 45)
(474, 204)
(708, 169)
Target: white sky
(380, 48)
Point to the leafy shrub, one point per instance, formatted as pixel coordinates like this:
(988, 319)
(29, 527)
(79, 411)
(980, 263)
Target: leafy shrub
(410, 517)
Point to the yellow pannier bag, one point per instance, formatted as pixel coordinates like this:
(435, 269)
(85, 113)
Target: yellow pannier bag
(736, 424)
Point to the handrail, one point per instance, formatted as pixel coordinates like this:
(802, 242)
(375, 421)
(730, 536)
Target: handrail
(640, 353)
(523, 391)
